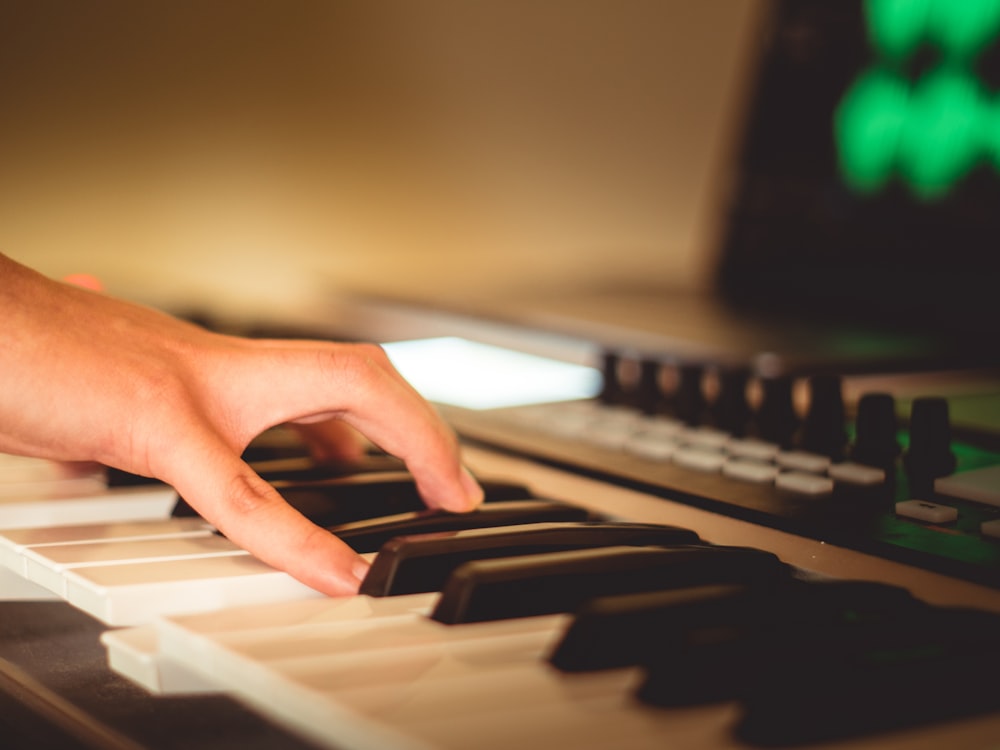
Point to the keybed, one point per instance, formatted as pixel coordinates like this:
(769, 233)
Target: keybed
(379, 672)
(483, 685)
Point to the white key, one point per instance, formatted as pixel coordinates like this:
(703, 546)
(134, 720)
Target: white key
(14, 587)
(429, 685)
(376, 660)
(40, 515)
(116, 504)
(57, 488)
(372, 674)
(14, 542)
(49, 566)
(134, 653)
(16, 470)
(137, 593)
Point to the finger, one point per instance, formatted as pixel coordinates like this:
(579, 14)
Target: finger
(251, 513)
(385, 407)
(360, 385)
(331, 440)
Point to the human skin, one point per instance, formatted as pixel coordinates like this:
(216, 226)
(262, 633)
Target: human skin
(87, 377)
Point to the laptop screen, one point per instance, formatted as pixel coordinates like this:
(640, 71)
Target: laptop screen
(868, 182)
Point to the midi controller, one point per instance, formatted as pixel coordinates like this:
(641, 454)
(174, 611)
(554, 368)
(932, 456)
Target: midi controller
(673, 559)
(866, 475)
(674, 549)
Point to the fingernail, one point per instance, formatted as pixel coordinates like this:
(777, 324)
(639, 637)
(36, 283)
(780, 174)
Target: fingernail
(360, 568)
(472, 489)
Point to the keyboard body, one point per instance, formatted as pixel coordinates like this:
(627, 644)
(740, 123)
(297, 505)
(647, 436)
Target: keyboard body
(704, 467)
(406, 682)
(162, 609)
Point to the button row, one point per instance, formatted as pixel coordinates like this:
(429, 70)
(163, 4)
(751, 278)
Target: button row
(661, 439)
(706, 449)
(734, 400)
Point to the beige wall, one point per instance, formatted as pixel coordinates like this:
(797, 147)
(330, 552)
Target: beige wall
(259, 155)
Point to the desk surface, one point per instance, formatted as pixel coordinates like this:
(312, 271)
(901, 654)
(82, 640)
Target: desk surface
(55, 680)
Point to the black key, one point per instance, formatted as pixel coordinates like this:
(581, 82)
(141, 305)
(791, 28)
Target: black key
(359, 496)
(274, 446)
(302, 472)
(620, 631)
(120, 478)
(370, 534)
(366, 496)
(304, 469)
(850, 681)
(712, 651)
(562, 581)
(410, 565)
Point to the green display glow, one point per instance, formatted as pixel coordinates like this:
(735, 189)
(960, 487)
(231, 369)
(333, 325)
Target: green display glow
(941, 137)
(930, 132)
(868, 124)
(959, 28)
(897, 27)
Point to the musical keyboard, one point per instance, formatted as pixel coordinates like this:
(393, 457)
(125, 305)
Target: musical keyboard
(302, 662)
(187, 615)
(376, 671)
(322, 666)
(36, 493)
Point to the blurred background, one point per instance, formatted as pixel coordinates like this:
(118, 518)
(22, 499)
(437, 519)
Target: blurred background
(256, 157)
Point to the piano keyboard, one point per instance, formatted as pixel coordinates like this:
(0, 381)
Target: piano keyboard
(381, 672)
(25, 509)
(37, 494)
(323, 666)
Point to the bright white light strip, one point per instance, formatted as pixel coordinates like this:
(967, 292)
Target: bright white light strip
(459, 372)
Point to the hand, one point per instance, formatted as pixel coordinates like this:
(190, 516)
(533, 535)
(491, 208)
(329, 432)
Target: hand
(86, 377)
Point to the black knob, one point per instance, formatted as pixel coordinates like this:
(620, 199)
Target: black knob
(929, 455)
(823, 430)
(689, 398)
(776, 420)
(730, 410)
(875, 442)
(612, 391)
(648, 397)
